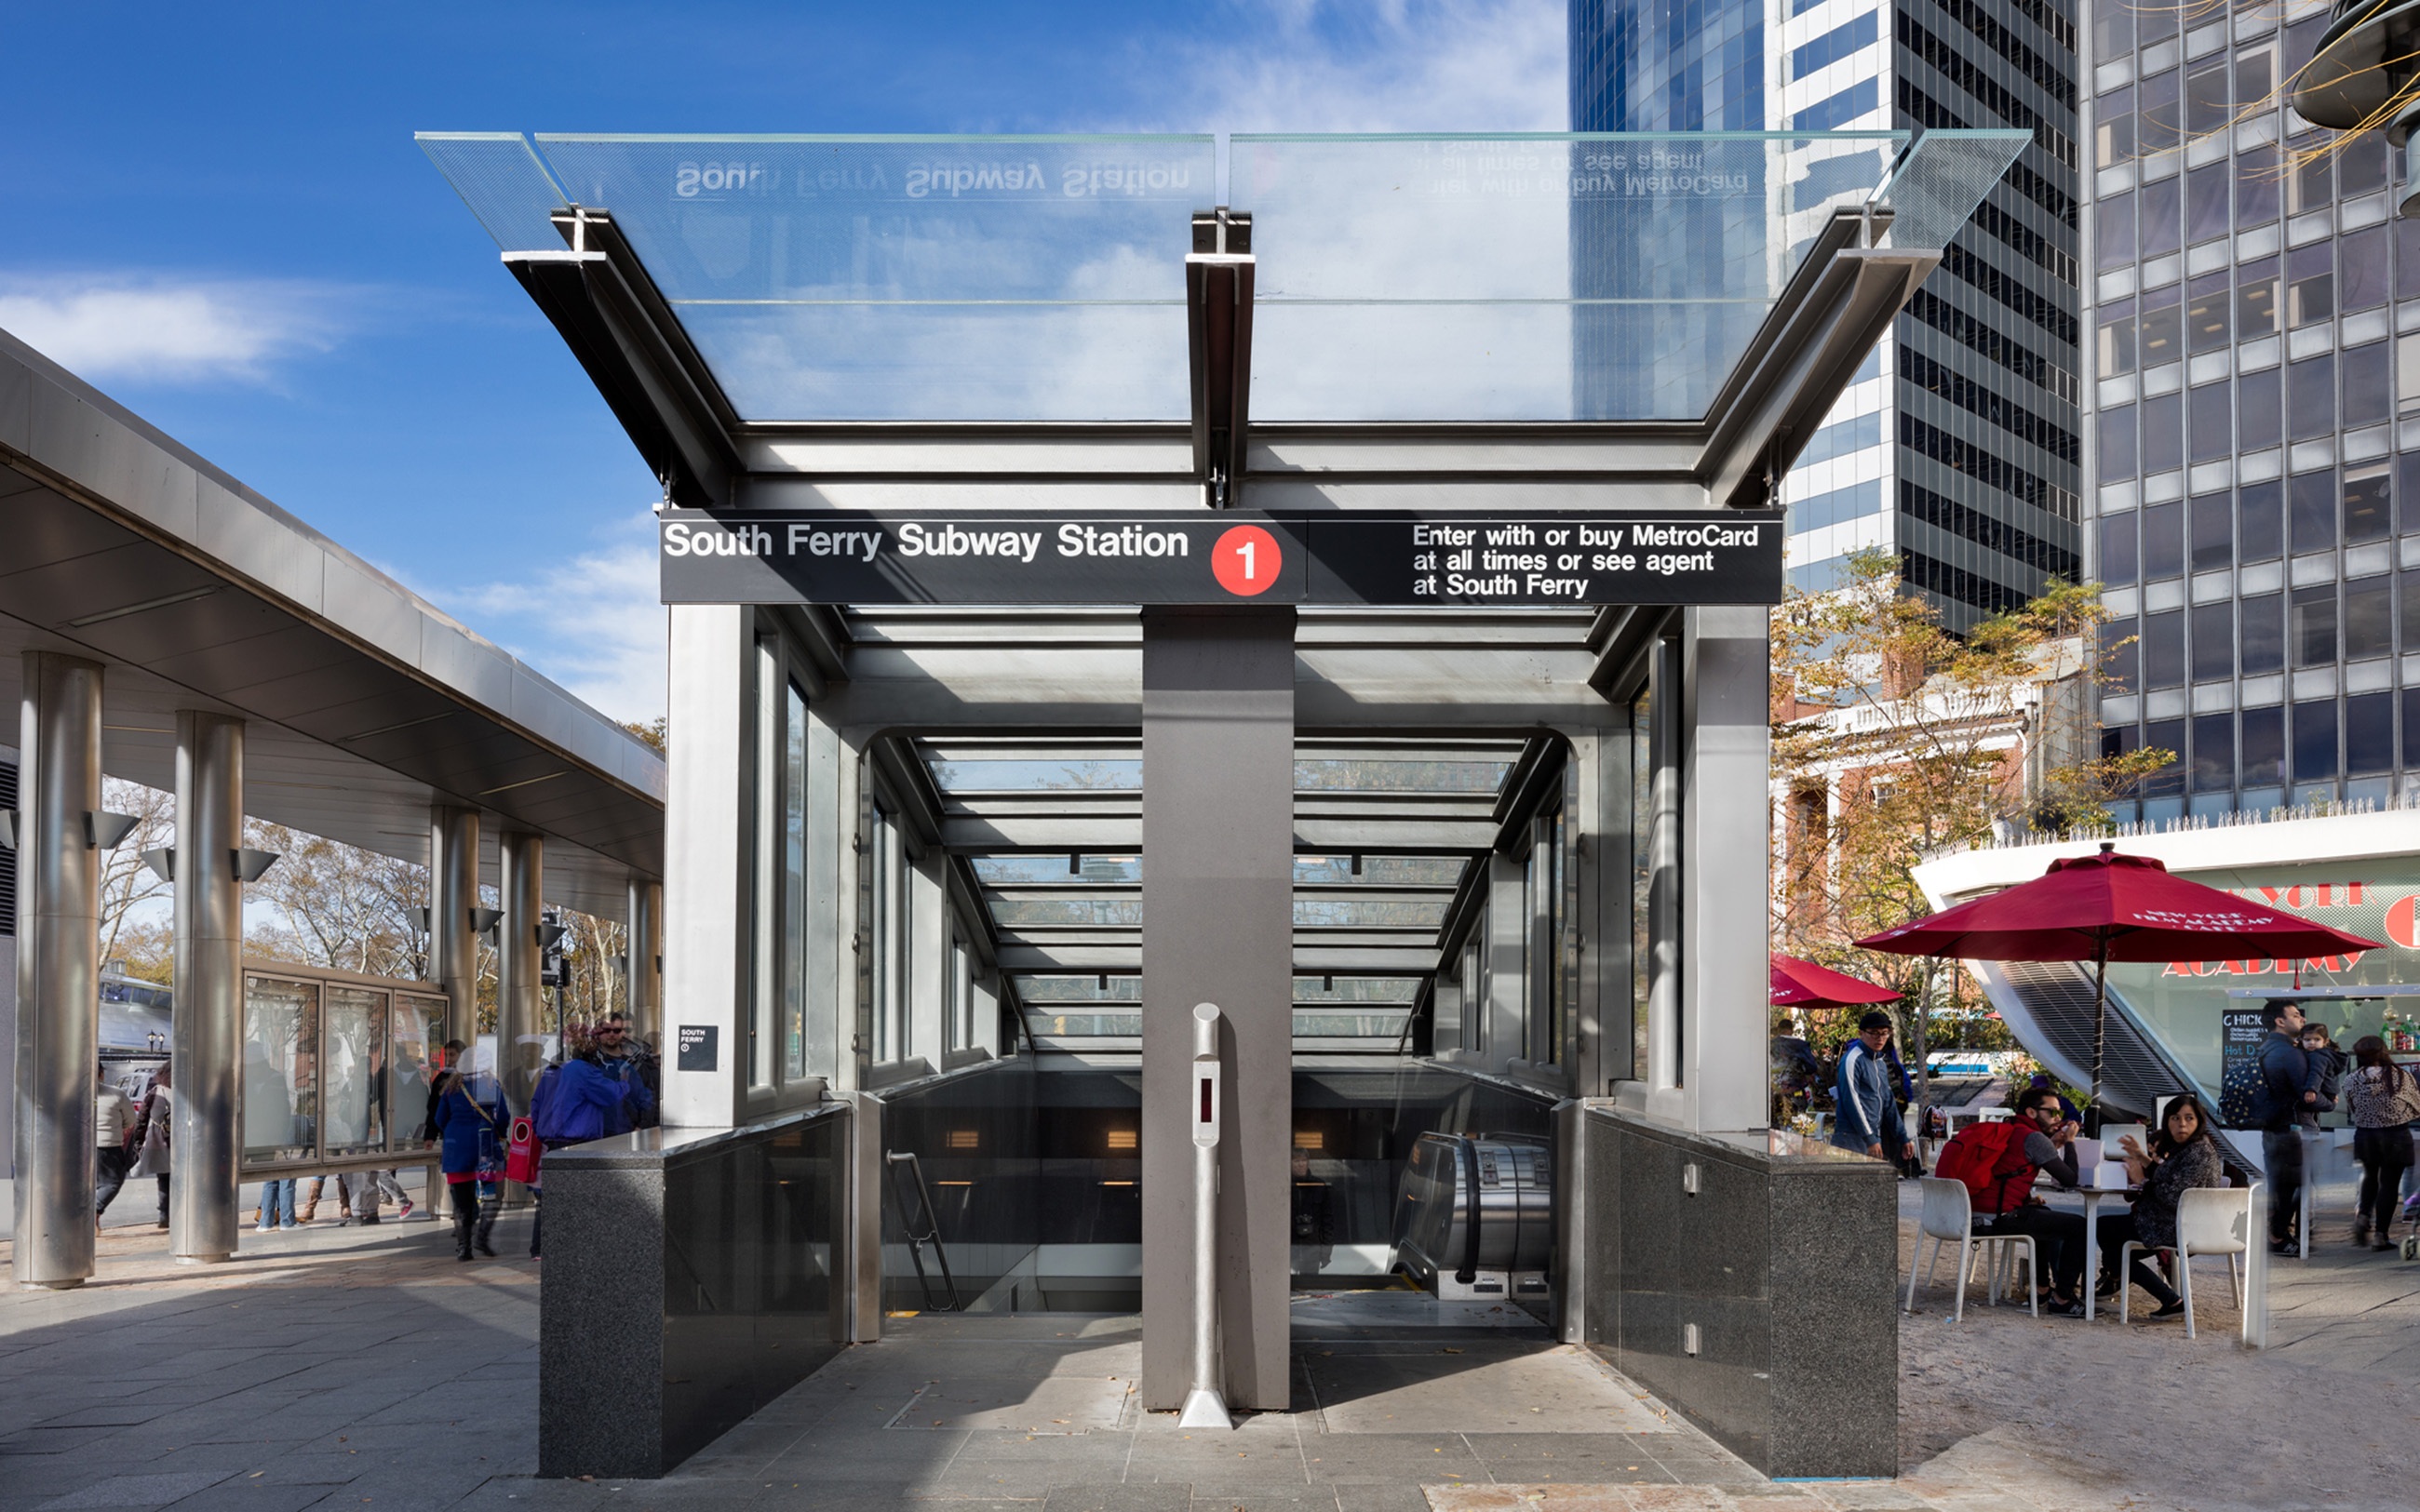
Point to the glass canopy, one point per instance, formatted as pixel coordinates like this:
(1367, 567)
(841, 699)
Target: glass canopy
(1027, 278)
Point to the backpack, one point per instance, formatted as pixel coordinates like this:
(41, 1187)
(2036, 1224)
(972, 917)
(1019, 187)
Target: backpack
(1991, 1159)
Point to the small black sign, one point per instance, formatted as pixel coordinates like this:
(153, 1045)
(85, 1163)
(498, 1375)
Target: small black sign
(2242, 1032)
(700, 1047)
(1395, 558)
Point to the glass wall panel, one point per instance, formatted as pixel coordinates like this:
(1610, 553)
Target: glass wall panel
(2213, 640)
(2311, 393)
(2369, 735)
(2118, 549)
(2369, 389)
(2264, 634)
(2315, 741)
(2207, 302)
(418, 1034)
(2118, 444)
(2361, 164)
(2214, 532)
(2122, 655)
(2113, 230)
(2213, 752)
(2167, 736)
(2260, 412)
(2164, 325)
(2164, 540)
(2369, 617)
(2264, 747)
(2117, 337)
(795, 898)
(2162, 217)
(2162, 125)
(2210, 422)
(2367, 511)
(2163, 649)
(2114, 130)
(2361, 269)
(2256, 299)
(2256, 185)
(281, 1069)
(2260, 535)
(2313, 612)
(355, 1115)
(2163, 432)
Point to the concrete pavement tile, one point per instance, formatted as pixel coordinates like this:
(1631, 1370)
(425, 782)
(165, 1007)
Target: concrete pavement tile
(507, 1493)
(1533, 1498)
(254, 1496)
(1389, 1457)
(1870, 1496)
(45, 1440)
(1115, 1498)
(1353, 1496)
(135, 1490)
(1568, 1458)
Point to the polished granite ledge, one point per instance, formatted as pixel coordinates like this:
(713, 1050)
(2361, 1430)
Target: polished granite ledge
(1750, 1281)
(690, 1278)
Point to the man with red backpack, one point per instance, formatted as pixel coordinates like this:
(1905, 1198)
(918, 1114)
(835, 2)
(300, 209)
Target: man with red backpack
(1998, 1162)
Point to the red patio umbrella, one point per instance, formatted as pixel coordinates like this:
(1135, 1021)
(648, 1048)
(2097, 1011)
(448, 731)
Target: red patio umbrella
(1804, 985)
(2112, 907)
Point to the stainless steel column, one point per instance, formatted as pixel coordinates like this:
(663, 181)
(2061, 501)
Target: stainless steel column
(646, 966)
(453, 893)
(206, 1037)
(453, 944)
(58, 968)
(517, 966)
(1217, 908)
(1726, 854)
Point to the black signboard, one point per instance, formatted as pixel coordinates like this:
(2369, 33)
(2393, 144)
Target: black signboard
(699, 1048)
(1409, 558)
(2242, 1031)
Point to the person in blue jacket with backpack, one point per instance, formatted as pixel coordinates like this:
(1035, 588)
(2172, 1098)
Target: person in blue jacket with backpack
(1865, 1115)
(469, 1116)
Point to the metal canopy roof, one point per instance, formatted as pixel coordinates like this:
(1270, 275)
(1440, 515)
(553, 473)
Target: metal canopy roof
(365, 704)
(804, 322)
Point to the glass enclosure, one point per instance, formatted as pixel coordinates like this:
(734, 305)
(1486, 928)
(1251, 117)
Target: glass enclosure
(335, 1067)
(1538, 277)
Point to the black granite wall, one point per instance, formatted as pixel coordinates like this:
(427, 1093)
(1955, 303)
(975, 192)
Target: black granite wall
(690, 1278)
(1787, 1260)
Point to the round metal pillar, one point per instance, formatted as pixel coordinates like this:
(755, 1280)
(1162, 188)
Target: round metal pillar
(519, 1054)
(58, 969)
(206, 1037)
(647, 964)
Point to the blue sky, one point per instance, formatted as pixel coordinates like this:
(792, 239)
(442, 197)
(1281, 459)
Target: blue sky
(217, 214)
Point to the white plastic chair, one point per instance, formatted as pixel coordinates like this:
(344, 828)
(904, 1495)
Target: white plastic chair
(1950, 1213)
(2215, 1220)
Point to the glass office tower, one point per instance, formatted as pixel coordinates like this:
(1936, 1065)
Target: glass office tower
(1959, 448)
(2246, 299)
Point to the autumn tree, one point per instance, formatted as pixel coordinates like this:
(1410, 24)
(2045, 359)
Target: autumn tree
(1895, 741)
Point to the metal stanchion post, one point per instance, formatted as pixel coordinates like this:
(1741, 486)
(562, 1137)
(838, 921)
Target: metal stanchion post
(1206, 1405)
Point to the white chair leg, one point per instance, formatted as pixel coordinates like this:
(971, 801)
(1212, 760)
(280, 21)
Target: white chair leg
(2125, 1281)
(1965, 1262)
(2033, 1276)
(1915, 1261)
(2184, 1287)
(2235, 1279)
(1932, 1264)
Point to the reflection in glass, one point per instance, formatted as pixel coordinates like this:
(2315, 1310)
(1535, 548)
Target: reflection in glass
(2114, 233)
(2167, 736)
(2117, 549)
(2163, 216)
(2315, 741)
(2368, 618)
(2163, 541)
(2163, 326)
(2256, 299)
(354, 1082)
(2260, 409)
(2312, 625)
(2122, 655)
(795, 898)
(2361, 267)
(2311, 520)
(2256, 185)
(2264, 747)
(2213, 640)
(418, 1032)
(281, 1069)
(2161, 128)
(2211, 422)
(2112, 116)
(2368, 392)
(2214, 532)
(2213, 752)
(2205, 306)
(2263, 642)
(2205, 190)
(2117, 338)
(2361, 163)
(2370, 734)
(2206, 101)
(2163, 649)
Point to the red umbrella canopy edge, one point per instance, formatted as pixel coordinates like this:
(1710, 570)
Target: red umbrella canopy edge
(2132, 902)
(1798, 983)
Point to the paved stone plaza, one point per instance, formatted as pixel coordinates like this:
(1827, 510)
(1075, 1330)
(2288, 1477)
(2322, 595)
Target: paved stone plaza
(342, 1367)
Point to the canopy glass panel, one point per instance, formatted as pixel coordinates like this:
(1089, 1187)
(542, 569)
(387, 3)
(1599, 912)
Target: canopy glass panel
(1038, 279)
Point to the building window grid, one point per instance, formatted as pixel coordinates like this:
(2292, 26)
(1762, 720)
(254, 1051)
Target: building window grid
(2353, 736)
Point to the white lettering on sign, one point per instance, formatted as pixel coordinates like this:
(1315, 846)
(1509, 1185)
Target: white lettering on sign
(956, 178)
(717, 541)
(805, 540)
(950, 540)
(1646, 535)
(1125, 541)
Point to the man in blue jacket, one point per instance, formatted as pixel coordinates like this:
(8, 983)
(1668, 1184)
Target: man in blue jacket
(1865, 1116)
(2290, 1082)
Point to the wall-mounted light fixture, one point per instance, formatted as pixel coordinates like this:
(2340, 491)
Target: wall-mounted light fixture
(106, 831)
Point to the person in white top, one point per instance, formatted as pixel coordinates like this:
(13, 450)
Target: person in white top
(110, 1112)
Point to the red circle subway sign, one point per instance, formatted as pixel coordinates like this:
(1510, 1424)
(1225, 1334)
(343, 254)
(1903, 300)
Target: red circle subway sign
(1246, 561)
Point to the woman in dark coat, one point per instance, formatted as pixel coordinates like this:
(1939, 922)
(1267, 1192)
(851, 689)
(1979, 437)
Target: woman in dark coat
(2183, 1156)
(468, 1113)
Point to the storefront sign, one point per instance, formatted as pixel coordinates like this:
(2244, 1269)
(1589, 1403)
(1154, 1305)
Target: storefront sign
(700, 1047)
(1200, 557)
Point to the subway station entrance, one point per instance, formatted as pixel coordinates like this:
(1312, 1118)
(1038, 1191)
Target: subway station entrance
(1218, 676)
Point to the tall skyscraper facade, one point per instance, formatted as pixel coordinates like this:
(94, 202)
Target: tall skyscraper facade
(2251, 302)
(1959, 448)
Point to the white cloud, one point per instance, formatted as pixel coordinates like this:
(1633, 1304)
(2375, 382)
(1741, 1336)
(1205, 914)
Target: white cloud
(594, 622)
(1393, 66)
(162, 330)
